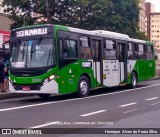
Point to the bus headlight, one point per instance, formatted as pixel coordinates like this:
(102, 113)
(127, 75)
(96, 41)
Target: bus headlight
(47, 80)
(51, 77)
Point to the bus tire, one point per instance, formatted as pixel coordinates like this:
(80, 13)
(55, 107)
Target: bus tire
(133, 80)
(83, 87)
(44, 96)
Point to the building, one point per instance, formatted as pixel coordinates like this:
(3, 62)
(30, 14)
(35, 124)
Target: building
(152, 25)
(155, 29)
(4, 20)
(142, 16)
(149, 8)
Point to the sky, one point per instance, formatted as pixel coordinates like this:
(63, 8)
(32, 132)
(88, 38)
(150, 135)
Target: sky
(156, 3)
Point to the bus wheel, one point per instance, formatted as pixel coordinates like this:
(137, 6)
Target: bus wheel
(83, 87)
(44, 96)
(133, 80)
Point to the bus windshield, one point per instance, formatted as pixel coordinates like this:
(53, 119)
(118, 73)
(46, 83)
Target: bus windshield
(32, 53)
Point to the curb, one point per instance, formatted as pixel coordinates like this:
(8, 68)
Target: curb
(155, 78)
(13, 95)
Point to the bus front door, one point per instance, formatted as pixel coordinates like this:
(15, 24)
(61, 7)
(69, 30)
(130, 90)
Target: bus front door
(122, 57)
(96, 44)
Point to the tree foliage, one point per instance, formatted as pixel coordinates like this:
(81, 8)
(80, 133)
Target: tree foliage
(113, 15)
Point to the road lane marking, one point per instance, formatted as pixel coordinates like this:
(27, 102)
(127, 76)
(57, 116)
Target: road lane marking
(47, 124)
(131, 111)
(149, 99)
(92, 113)
(126, 105)
(48, 103)
(155, 103)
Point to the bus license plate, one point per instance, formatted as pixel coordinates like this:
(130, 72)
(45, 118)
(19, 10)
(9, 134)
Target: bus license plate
(26, 88)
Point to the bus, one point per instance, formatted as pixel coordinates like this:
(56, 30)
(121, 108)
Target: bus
(54, 60)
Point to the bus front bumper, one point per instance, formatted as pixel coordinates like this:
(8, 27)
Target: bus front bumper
(49, 88)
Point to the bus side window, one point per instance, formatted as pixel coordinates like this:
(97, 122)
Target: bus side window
(149, 52)
(68, 49)
(131, 51)
(95, 51)
(109, 50)
(140, 51)
(85, 49)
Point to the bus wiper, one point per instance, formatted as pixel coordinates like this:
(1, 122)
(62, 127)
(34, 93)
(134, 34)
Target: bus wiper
(33, 48)
(23, 51)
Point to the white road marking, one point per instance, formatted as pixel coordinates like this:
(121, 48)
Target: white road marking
(131, 111)
(155, 103)
(48, 103)
(152, 98)
(126, 105)
(96, 112)
(47, 124)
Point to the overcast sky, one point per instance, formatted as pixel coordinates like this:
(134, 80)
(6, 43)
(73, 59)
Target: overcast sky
(156, 3)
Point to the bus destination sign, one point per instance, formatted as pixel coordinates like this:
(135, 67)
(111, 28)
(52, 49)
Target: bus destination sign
(32, 32)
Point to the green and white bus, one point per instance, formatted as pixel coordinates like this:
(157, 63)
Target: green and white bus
(55, 60)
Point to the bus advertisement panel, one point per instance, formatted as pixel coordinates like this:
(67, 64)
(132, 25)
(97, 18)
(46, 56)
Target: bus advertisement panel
(4, 37)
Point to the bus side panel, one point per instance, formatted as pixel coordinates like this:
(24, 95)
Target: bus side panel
(69, 77)
(151, 69)
(145, 69)
(110, 73)
(141, 69)
(131, 65)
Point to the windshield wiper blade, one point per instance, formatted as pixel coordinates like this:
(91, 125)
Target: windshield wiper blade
(33, 48)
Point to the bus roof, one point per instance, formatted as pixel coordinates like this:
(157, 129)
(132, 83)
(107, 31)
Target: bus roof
(137, 40)
(111, 34)
(102, 33)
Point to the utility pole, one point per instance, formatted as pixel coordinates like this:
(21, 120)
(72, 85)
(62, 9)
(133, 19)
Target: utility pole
(47, 11)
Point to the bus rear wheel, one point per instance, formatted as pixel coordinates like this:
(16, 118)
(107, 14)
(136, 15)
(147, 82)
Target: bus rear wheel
(44, 96)
(83, 87)
(133, 80)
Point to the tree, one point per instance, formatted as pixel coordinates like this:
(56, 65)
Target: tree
(20, 12)
(113, 15)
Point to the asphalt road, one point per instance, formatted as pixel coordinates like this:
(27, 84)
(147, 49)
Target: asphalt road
(119, 107)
